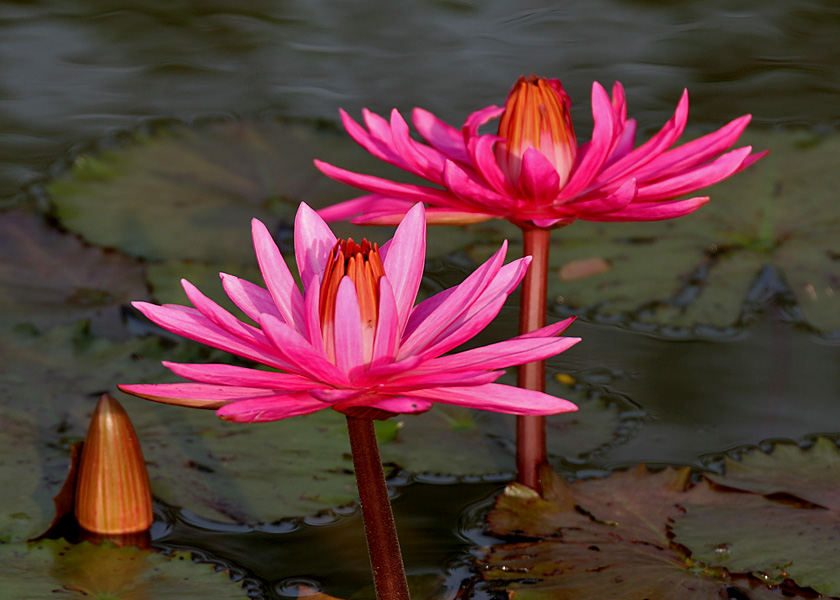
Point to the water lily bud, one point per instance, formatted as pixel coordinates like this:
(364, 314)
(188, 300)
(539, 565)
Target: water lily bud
(112, 491)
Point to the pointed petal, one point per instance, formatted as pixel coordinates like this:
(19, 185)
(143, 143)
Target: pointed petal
(313, 242)
(501, 355)
(650, 211)
(421, 160)
(263, 410)
(592, 156)
(366, 141)
(302, 357)
(538, 180)
(222, 318)
(251, 299)
(440, 135)
(278, 279)
(478, 312)
(620, 198)
(194, 395)
(482, 150)
(690, 181)
(419, 333)
(404, 259)
(230, 375)
(349, 351)
(191, 324)
(387, 327)
(499, 398)
(385, 187)
(474, 194)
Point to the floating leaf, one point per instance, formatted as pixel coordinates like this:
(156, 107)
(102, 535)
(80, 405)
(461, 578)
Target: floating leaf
(50, 568)
(780, 217)
(775, 539)
(190, 193)
(49, 278)
(602, 539)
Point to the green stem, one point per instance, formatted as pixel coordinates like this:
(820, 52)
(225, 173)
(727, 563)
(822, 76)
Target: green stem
(530, 430)
(383, 546)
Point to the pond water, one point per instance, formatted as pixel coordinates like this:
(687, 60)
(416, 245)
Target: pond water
(78, 75)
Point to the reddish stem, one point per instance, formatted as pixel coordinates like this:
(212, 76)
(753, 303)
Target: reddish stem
(530, 430)
(383, 546)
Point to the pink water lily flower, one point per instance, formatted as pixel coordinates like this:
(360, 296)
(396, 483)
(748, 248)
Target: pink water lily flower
(533, 172)
(353, 340)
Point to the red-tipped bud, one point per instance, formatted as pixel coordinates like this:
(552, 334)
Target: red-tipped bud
(112, 491)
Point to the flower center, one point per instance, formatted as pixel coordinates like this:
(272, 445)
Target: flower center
(537, 116)
(363, 265)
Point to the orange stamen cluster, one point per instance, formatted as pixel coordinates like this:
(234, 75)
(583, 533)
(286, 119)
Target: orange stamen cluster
(363, 265)
(536, 116)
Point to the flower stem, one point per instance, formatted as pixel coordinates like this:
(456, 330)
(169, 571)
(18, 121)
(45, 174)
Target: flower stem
(530, 430)
(383, 546)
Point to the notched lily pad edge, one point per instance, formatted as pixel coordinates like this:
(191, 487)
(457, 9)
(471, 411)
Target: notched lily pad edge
(715, 462)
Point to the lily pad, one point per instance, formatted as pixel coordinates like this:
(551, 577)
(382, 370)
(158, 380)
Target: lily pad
(781, 214)
(603, 538)
(50, 278)
(184, 192)
(51, 568)
(790, 531)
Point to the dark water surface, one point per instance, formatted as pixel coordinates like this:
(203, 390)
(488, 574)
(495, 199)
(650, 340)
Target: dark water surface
(72, 73)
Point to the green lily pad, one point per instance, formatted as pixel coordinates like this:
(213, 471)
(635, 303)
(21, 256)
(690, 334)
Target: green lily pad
(50, 278)
(780, 216)
(52, 568)
(796, 537)
(603, 539)
(190, 193)
(224, 471)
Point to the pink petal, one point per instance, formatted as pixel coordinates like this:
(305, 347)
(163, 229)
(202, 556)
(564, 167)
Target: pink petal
(250, 298)
(195, 395)
(396, 405)
(483, 152)
(501, 355)
(364, 139)
(313, 242)
(538, 180)
(650, 150)
(404, 259)
(479, 118)
(385, 187)
(591, 157)
(230, 375)
(361, 205)
(620, 198)
(690, 181)
(349, 345)
(695, 152)
(420, 160)
(279, 281)
(440, 135)
(479, 312)
(499, 398)
(312, 308)
(302, 356)
(415, 380)
(222, 318)
(419, 333)
(387, 327)
(191, 324)
(474, 195)
(263, 410)
(650, 211)
(548, 330)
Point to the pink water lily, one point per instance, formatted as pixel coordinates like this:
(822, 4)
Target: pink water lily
(353, 340)
(533, 172)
